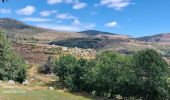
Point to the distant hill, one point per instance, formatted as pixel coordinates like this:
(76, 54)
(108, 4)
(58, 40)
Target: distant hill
(165, 37)
(18, 31)
(8, 23)
(95, 32)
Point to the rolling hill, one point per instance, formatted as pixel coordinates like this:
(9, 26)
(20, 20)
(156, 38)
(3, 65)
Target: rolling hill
(165, 37)
(20, 32)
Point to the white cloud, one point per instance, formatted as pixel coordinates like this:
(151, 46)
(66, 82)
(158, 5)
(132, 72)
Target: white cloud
(28, 10)
(76, 22)
(79, 5)
(52, 2)
(117, 4)
(34, 19)
(60, 27)
(46, 13)
(76, 3)
(66, 16)
(111, 24)
(5, 11)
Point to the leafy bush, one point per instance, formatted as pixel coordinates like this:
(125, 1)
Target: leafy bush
(11, 65)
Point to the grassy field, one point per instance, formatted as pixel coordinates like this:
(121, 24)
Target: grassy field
(16, 94)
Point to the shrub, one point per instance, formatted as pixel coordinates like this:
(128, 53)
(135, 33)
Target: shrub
(47, 68)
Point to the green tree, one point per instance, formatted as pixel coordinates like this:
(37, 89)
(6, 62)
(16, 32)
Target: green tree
(110, 74)
(151, 72)
(64, 65)
(78, 74)
(11, 64)
(71, 72)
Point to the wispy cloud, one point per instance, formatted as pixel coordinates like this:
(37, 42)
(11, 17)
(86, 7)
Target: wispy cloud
(76, 22)
(117, 4)
(65, 16)
(61, 27)
(111, 24)
(5, 11)
(46, 13)
(28, 10)
(34, 19)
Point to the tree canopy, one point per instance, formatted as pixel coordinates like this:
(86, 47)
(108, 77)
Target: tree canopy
(143, 75)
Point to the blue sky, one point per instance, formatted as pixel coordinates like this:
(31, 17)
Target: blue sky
(131, 17)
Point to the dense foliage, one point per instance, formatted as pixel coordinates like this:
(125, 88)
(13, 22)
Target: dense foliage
(11, 65)
(151, 74)
(80, 43)
(143, 75)
(89, 42)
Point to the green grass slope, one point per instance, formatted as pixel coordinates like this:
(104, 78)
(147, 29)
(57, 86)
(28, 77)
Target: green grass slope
(38, 95)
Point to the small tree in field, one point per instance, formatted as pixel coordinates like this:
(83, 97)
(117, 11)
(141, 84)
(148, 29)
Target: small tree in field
(71, 72)
(151, 72)
(11, 65)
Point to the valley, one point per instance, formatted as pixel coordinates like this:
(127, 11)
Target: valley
(36, 44)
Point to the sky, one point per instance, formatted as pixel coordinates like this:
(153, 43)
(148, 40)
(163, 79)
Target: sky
(130, 17)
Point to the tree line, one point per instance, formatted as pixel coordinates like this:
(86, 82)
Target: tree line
(143, 75)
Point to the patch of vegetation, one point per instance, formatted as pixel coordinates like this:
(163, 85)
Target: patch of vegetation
(142, 76)
(80, 43)
(53, 50)
(12, 66)
(95, 32)
(88, 42)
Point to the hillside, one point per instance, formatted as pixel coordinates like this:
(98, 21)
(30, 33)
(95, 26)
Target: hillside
(20, 32)
(8, 23)
(165, 37)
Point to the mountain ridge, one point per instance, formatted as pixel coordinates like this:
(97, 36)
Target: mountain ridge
(14, 28)
(96, 32)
